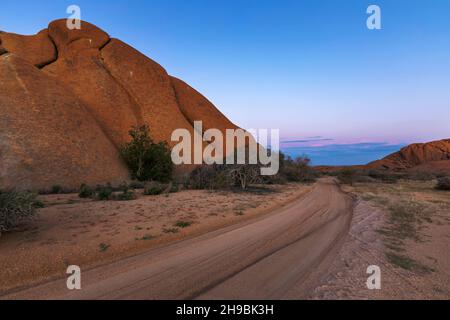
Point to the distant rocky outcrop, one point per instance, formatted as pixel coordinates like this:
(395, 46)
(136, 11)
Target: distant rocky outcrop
(428, 156)
(432, 158)
(68, 99)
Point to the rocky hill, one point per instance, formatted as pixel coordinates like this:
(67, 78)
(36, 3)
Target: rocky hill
(428, 156)
(68, 99)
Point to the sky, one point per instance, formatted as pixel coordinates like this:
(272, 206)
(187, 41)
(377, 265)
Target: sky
(310, 68)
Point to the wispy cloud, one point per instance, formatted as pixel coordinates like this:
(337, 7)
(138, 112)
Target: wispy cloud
(308, 139)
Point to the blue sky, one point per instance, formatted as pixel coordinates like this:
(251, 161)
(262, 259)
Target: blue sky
(310, 68)
(343, 154)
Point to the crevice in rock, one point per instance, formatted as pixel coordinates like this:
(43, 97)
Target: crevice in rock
(104, 45)
(178, 102)
(47, 63)
(2, 50)
(134, 103)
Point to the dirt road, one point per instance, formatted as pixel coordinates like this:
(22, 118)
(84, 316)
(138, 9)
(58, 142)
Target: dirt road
(276, 256)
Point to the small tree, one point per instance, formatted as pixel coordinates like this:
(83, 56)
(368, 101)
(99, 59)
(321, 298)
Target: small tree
(297, 170)
(145, 159)
(245, 175)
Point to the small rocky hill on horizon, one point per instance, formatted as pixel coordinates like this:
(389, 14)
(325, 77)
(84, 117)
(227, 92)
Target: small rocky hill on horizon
(68, 99)
(431, 156)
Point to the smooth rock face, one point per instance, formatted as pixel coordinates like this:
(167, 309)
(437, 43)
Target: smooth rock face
(68, 99)
(415, 155)
(47, 137)
(81, 69)
(196, 107)
(62, 36)
(150, 87)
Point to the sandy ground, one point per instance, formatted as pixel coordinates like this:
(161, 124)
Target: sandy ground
(422, 243)
(273, 256)
(72, 231)
(306, 249)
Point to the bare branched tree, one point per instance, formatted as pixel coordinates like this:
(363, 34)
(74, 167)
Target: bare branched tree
(245, 175)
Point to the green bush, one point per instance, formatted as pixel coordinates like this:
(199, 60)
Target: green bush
(347, 176)
(182, 224)
(145, 159)
(390, 178)
(421, 176)
(173, 188)
(385, 176)
(297, 170)
(57, 189)
(136, 185)
(126, 195)
(202, 177)
(104, 192)
(16, 207)
(275, 179)
(443, 184)
(210, 177)
(375, 174)
(154, 188)
(86, 191)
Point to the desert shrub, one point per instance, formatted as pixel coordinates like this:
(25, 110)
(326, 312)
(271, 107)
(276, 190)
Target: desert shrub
(215, 177)
(297, 170)
(443, 184)
(384, 176)
(421, 176)
(124, 186)
(375, 174)
(243, 175)
(208, 177)
(125, 195)
(363, 178)
(86, 191)
(351, 175)
(136, 185)
(275, 179)
(182, 224)
(391, 178)
(16, 207)
(57, 189)
(104, 192)
(202, 177)
(104, 247)
(145, 159)
(347, 176)
(154, 188)
(173, 188)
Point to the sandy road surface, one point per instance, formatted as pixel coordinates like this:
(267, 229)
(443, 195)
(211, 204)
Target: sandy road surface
(279, 255)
